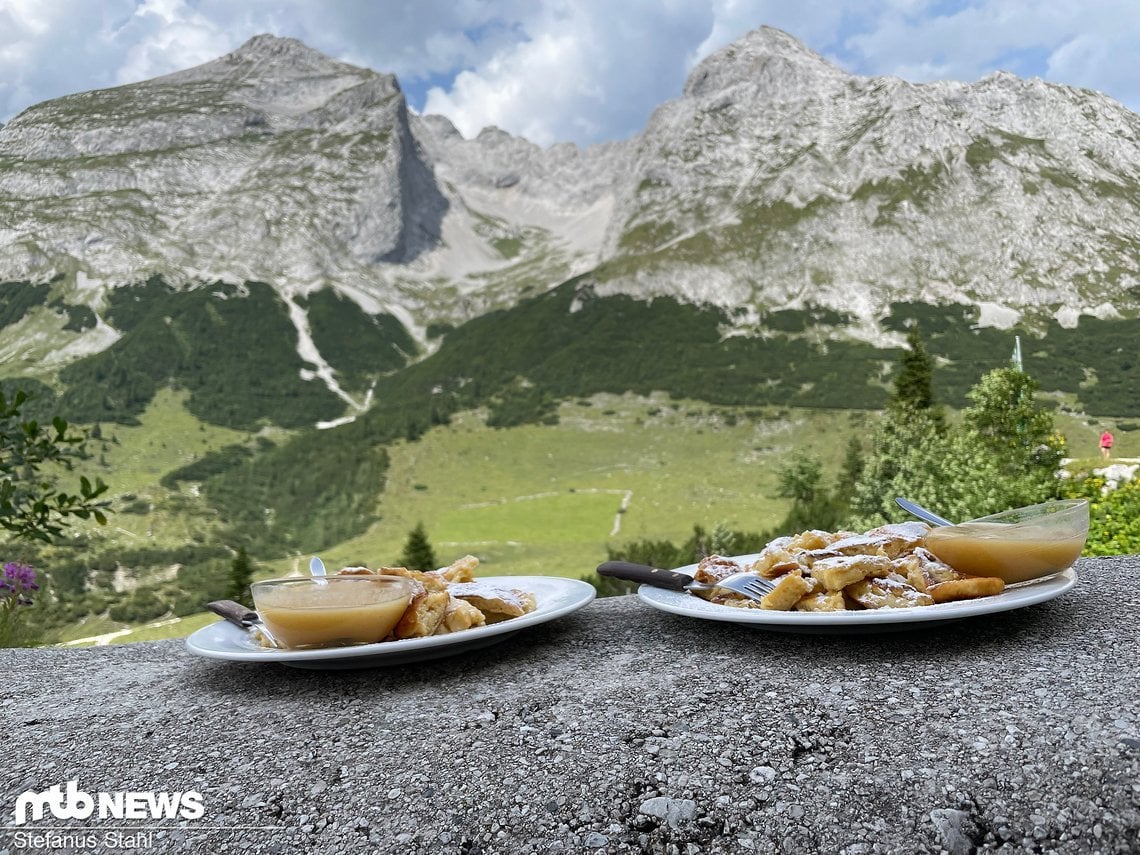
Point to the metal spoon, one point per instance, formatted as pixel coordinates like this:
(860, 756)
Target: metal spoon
(243, 618)
(921, 512)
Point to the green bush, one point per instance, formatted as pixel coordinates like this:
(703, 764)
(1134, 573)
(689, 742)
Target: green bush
(209, 465)
(304, 495)
(139, 606)
(520, 404)
(668, 555)
(79, 318)
(359, 346)
(1114, 515)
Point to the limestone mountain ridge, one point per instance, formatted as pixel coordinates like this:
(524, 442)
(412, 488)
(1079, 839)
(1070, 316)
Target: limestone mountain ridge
(775, 180)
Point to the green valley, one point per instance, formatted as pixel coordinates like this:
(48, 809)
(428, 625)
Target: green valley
(534, 437)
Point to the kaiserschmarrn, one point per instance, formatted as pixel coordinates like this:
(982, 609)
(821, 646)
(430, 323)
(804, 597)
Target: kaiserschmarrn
(451, 599)
(887, 567)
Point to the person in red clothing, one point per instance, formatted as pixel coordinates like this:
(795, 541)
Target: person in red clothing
(1106, 445)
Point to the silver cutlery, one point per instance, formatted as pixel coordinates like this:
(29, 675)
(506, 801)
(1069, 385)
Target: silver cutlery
(750, 585)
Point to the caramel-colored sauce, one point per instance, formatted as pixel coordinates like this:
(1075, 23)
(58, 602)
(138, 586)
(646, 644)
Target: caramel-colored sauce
(1011, 552)
(333, 615)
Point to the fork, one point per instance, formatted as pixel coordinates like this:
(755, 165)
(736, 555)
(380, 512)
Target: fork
(750, 585)
(747, 584)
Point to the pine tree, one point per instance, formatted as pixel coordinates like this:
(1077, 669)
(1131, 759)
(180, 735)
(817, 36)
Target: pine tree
(722, 540)
(241, 574)
(906, 447)
(850, 471)
(418, 554)
(914, 384)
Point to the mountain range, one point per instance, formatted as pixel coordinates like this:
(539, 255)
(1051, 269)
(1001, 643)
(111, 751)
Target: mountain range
(779, 199)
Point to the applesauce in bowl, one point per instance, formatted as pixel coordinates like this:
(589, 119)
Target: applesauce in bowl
(305, 612)
(1017, 545)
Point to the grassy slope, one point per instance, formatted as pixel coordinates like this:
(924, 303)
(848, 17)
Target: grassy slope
(544, 499)
(1083, 439)
(168, 437)
(132, 459)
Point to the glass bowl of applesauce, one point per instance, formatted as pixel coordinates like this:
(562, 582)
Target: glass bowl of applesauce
(331, 611)
(1017, 545)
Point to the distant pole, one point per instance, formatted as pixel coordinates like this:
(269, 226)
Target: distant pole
(1021, 395)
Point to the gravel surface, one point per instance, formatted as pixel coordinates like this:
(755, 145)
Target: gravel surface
(617, 729)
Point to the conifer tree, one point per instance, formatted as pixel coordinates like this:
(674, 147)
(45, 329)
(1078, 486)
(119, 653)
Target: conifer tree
(241, 574)
(850, 471)
(418, 554)
(722, 540)
(914, 384)
(852, 467)
(907, 443)
(812, 505)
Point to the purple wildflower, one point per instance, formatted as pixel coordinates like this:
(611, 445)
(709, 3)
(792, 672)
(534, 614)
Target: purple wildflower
(17, 582)
(18, 578)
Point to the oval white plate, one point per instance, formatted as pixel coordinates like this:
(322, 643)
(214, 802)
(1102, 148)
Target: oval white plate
(869, 620)
(556, 597)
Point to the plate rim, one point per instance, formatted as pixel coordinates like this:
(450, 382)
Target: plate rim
(581, 594)
(1015, 597)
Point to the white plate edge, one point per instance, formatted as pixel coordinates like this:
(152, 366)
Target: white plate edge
(586, 594)
(1019, 597)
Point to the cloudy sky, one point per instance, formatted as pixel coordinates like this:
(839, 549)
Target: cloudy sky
(556, 70)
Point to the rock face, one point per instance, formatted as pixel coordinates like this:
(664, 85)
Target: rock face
(807, 184)
(776, 180)
(272, 162)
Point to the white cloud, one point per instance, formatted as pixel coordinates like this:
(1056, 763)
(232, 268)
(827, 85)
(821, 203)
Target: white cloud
(171, 36)
(48, 45)
(1089, 44)
(583, 71)
(1101, 61)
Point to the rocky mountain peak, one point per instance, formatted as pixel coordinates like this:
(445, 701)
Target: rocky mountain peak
(770, 60)
(283, 76)
(268, 56)
(268, 45)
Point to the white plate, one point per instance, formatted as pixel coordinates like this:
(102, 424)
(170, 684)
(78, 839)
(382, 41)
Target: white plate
(869, 620)
(555, 598)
